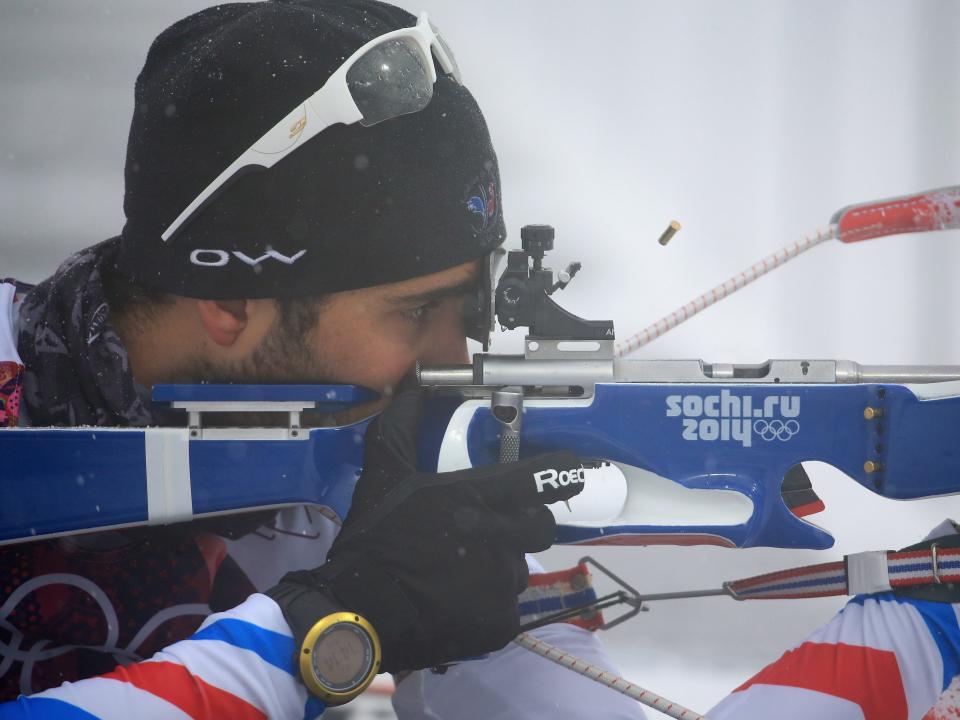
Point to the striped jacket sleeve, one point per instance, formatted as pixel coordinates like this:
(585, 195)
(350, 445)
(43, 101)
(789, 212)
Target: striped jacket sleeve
(883, 657)
(238, 665)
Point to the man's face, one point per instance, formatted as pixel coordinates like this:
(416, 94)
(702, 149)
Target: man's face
(373, 337)
(370, 337)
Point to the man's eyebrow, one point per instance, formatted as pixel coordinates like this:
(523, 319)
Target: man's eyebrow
(440, 293)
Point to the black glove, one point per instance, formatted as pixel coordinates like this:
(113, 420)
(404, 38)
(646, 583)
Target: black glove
(434, 561)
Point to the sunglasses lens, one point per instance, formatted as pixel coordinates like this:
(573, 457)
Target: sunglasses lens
(389, 80)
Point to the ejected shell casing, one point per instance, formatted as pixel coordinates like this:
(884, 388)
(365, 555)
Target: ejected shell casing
(872, 413)
(669, 232)
(871, 466)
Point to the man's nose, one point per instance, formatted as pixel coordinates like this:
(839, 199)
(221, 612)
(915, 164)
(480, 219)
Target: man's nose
(447, 343)
(452, 350)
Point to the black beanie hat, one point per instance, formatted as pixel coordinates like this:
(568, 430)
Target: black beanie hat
(352, 207)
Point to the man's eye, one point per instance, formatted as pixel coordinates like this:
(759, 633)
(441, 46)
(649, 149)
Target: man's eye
(420, 313)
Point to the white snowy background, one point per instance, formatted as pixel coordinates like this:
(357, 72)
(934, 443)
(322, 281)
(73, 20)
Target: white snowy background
(750, 122)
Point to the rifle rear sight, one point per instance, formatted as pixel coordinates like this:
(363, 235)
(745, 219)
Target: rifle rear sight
(522, 298)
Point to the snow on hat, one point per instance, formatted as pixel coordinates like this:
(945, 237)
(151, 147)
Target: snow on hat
(353, 207)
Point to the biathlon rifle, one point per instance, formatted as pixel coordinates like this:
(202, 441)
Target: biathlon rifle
(680, 451)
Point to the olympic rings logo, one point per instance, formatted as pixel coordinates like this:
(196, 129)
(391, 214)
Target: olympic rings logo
(776, 429)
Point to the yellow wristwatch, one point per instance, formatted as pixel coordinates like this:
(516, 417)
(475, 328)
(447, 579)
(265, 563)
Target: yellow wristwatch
(339, 657)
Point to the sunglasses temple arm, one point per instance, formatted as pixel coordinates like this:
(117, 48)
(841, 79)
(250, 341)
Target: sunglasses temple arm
(242, 166)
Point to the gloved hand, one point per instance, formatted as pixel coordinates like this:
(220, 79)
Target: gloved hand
(434, 561)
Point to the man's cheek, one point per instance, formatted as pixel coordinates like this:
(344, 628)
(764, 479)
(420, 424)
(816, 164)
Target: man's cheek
(393, 374)
(383, 370)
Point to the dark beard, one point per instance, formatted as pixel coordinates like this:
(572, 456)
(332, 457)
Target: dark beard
(283, 356)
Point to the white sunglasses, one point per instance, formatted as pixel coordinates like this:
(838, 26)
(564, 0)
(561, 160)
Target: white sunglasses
(390, 76)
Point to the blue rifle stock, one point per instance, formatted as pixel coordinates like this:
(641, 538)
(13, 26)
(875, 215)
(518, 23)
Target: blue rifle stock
(701, 462)
(703, 451)
(66, 480)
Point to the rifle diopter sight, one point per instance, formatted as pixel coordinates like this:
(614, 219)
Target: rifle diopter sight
(522, 299)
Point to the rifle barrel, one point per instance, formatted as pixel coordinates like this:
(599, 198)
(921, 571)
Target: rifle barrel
(901, 373)
(494, 371)
(445, 375)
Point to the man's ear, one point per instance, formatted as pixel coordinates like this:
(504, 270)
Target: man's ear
(223, 320)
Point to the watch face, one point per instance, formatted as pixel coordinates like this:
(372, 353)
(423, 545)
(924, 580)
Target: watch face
(342, 657)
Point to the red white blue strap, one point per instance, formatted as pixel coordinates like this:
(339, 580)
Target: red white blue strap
(548, 593)
(858, 574)
(921, 567)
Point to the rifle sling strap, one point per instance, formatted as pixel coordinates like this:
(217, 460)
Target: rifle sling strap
(548, 594)
(928, 571)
